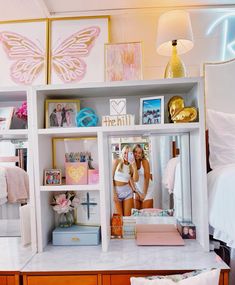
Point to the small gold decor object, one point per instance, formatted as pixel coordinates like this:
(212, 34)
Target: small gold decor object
(180, 114)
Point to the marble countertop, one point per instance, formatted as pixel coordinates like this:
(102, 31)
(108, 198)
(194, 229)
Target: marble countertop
(124, 255)
(13, 256)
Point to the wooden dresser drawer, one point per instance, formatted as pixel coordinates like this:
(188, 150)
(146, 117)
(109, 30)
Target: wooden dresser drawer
(62, 280)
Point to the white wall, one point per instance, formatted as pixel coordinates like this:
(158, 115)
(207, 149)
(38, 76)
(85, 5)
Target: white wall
(141, 25)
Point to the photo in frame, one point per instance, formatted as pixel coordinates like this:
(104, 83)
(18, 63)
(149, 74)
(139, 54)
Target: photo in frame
(52, 177)
(6, 114)
(23, 52)
(61, 113)
(152, 110)
(76, 45)
(123, 61)
(63, 145)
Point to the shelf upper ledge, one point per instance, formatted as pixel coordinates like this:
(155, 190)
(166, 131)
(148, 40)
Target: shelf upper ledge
(161, 128)
(14, 134)
(87, 187)
(163, 82)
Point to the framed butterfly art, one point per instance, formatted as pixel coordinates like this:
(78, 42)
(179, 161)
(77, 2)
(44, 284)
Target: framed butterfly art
(23, 52)
(76, 49)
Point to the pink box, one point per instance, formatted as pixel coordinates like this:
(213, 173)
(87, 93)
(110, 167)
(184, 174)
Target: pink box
(93, 176)
(76, 173)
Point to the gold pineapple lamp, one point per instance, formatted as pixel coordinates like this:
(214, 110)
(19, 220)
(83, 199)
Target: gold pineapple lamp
(174, 37)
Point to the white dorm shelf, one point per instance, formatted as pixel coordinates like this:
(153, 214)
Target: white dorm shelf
(91, 187)
(13, 97)
(14, 134)
(97, 96)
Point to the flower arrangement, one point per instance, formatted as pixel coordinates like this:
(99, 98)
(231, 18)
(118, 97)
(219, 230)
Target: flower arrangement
(63, 203)
(22, 112)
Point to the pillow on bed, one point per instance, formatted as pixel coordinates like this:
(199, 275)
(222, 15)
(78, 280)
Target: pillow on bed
(210, 277)
(221, 138)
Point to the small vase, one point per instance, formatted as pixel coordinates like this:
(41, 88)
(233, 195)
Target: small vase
(66, 220)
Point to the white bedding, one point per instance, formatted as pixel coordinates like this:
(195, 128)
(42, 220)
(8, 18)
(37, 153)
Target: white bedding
(221, 190)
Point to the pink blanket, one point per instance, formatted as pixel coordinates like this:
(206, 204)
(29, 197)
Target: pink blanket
(17, 184)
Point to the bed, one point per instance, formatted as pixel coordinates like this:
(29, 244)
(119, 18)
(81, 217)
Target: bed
(220, 108)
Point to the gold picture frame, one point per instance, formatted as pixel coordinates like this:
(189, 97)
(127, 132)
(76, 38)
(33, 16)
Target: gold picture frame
(32, 35)
(75, 43)
(61, 145)
(61, 113)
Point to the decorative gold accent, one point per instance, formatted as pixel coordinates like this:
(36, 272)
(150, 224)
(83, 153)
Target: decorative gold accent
(175, 67)
(75, 239)
(188, 114)
(180, 114)
(175, 104)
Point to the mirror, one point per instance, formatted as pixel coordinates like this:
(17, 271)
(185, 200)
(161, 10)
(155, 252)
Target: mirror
(12, 153)
(151, 172)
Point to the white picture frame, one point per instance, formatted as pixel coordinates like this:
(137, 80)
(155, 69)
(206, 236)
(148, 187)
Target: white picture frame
(152, 110)
(6, 114)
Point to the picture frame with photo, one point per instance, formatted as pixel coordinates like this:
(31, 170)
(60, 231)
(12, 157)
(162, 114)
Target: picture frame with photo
(152, 110)
(61, 113)
(123, 61)
(6, 114)
(52, 177)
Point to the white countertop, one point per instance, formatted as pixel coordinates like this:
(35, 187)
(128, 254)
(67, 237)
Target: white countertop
(124, 255)
(13, 256)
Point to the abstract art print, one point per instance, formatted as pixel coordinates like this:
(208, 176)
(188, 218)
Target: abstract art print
(123, 61)
(76, 52)
(23, 53)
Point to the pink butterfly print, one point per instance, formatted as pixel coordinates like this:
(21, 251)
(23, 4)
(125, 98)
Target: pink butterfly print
(66, 62)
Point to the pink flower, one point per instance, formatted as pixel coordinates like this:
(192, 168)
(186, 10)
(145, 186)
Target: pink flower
(63, 203)
(22, 111)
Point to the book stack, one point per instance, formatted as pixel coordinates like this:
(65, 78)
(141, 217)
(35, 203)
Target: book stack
(129, 227)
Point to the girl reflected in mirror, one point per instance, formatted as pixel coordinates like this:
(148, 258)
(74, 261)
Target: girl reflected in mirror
(143, 187)
(124, 171)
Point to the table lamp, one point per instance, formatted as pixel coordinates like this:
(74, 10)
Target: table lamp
(174, 36)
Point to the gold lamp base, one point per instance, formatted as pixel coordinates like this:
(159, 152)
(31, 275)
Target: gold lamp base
(175, 66)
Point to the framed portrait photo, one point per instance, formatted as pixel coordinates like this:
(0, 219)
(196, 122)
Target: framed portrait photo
(123, 61)
(152, 110)
(52, 177)
(61, 113)
(6, 114)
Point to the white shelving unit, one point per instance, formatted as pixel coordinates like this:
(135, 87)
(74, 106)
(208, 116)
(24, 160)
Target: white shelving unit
(14, 96)
(96, 96)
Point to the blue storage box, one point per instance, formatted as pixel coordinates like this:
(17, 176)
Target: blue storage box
(76, 235)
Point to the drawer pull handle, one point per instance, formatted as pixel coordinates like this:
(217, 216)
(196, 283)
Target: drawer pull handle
(75, 239)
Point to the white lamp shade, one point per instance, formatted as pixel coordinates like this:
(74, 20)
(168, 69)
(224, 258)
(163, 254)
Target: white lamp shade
(174, 25)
